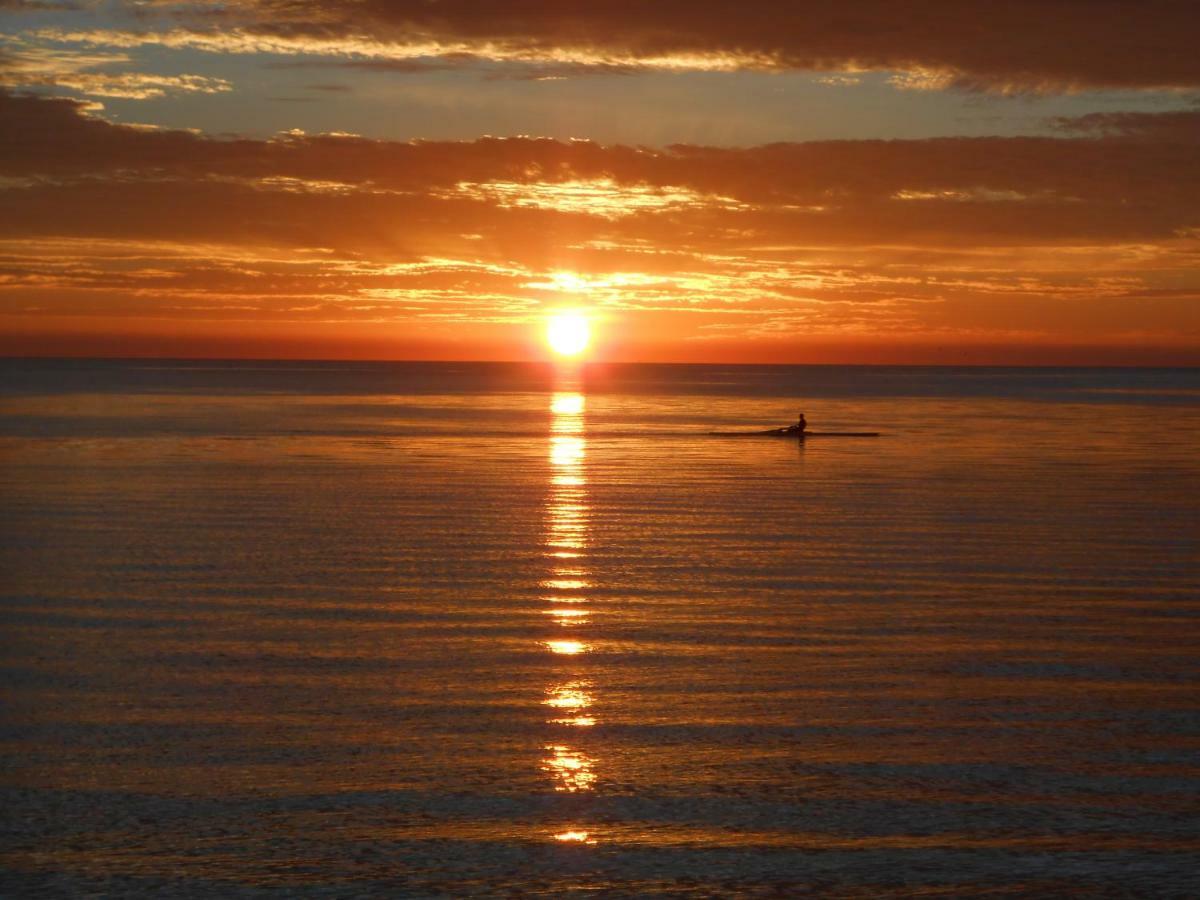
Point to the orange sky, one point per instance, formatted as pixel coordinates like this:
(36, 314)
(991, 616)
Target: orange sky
(1064, 238)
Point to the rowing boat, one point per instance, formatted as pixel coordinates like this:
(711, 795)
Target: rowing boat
(794, 433)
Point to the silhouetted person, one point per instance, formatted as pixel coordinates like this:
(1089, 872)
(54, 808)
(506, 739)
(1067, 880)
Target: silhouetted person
(801, 425)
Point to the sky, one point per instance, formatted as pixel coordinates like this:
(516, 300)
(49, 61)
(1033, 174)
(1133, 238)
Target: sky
(948, 181)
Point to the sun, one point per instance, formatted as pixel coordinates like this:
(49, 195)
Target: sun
(568, 333)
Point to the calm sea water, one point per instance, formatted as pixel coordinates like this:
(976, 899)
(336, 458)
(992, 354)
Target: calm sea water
(443, 630)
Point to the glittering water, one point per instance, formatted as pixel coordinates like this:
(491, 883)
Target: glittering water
(442, 630)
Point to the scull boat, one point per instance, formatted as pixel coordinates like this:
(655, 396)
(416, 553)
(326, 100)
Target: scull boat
(795, 433)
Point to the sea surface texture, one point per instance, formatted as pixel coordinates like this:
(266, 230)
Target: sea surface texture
(443, 630)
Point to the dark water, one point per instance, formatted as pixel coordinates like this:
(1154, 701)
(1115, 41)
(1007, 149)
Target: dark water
(442, 630)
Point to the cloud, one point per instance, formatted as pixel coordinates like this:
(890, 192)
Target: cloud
(130, 85)
(481, 65)
(1069, 177)
(1095, 233)
(1019, 45)
(406, 66)
(43, 5)
(23, 65)
(840, 80)
(1180, 126)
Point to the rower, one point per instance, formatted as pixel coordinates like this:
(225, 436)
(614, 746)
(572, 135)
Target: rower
(801, 425)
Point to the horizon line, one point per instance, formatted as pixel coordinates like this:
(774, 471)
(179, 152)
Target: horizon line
(584, 364)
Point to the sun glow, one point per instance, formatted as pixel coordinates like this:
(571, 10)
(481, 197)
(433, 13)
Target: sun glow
(568, 333)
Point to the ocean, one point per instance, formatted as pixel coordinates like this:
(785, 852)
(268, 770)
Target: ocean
(454, 629)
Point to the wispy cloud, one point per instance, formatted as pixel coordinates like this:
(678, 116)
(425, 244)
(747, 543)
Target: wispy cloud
(28, 65)
(1021, 45)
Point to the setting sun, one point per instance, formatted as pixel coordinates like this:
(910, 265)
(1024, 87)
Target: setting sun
(568, 333)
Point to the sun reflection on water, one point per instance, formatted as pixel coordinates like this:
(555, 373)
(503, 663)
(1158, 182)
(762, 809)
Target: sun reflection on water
(572, 695)
(567, 648)
(565, 584)
(576, 721)
(571, 769)
(563, 615)
(566, 407)
(568, 580)
(566, 450)
(582, 837)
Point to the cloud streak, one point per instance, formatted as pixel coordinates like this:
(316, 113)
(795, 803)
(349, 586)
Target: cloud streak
(1021, 45)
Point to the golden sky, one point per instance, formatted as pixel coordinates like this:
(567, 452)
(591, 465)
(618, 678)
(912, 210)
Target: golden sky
(755, 181)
